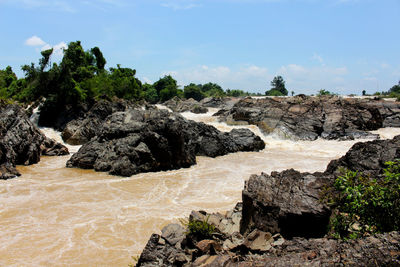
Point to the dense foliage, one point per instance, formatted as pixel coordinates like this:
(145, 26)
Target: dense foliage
(365, 205)
(278, 87)
(81, 76)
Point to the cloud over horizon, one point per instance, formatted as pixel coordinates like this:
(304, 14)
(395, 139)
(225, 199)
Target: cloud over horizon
(58, 49)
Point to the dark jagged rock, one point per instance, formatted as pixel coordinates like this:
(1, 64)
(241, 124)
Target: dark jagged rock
(368, 157)
(182, 105)
(308, 118)
(219, 102)
(21, 142)
(137, 141)
(57, 117)
(81, 130)
(286, 202)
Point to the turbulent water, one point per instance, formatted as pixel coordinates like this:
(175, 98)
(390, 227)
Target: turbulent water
(54, 216)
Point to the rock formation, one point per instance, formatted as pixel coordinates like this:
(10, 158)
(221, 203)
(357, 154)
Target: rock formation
(21, 142)
(182, 105)
(81, 130)
(307, 118)
(137, 141)
(281, 222)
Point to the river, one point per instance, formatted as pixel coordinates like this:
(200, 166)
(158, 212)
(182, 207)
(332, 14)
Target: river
(56, 216)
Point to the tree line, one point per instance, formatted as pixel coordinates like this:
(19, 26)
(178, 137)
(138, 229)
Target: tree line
(81, 76)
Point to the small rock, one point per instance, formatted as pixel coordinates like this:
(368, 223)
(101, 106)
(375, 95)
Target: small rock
(207, 246)
(173, 233)
(258, 241)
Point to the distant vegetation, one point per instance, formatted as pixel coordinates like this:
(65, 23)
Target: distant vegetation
(325, 92)
(81, 76)
(278, 87)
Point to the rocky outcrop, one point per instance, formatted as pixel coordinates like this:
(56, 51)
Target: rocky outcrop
(81, 130)
(287, 203)
(183, 105)
(21, 142)
(368, 157)
(219, 102)
(282, 222)
(137, 141)
(259, 248)
(378, 250)
(307, 118)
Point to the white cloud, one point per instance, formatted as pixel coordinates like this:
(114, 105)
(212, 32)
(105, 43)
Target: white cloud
(311, 79)
(35, 41)
(58, 49)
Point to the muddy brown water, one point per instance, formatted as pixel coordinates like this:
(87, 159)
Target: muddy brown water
(56, 216)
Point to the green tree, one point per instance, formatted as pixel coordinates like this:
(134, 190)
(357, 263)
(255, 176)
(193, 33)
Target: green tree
(100, 60)
(7, 82)
(274, 92)
(193, 91)
(395, 89)
(150, 93)
(324, 92)
(166, 88)
(213, 89)
(278, 84)
(124, 83)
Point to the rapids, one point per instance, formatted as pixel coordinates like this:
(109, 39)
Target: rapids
(55, 216)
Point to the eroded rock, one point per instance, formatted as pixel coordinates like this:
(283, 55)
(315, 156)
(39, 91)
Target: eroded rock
(308, 118)
(21, 142)
(137, 141)
(286, 202)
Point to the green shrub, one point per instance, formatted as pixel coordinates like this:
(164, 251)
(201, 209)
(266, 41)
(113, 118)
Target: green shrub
(365, 205)
(199, 229)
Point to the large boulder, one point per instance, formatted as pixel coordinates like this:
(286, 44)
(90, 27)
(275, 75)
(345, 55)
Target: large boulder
(137, 141)
(81, 130)
(21, 142)
(286, 202)
(308, 118)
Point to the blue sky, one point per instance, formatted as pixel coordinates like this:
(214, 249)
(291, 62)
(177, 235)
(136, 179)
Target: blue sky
(344, 46)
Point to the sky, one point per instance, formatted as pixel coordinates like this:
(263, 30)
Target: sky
(343, 46)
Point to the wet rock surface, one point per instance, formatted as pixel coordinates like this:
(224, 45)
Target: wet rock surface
(281, 222)
(183, 105)
(81, 130)
(137, 141)
(21, 142)
(307, 118)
